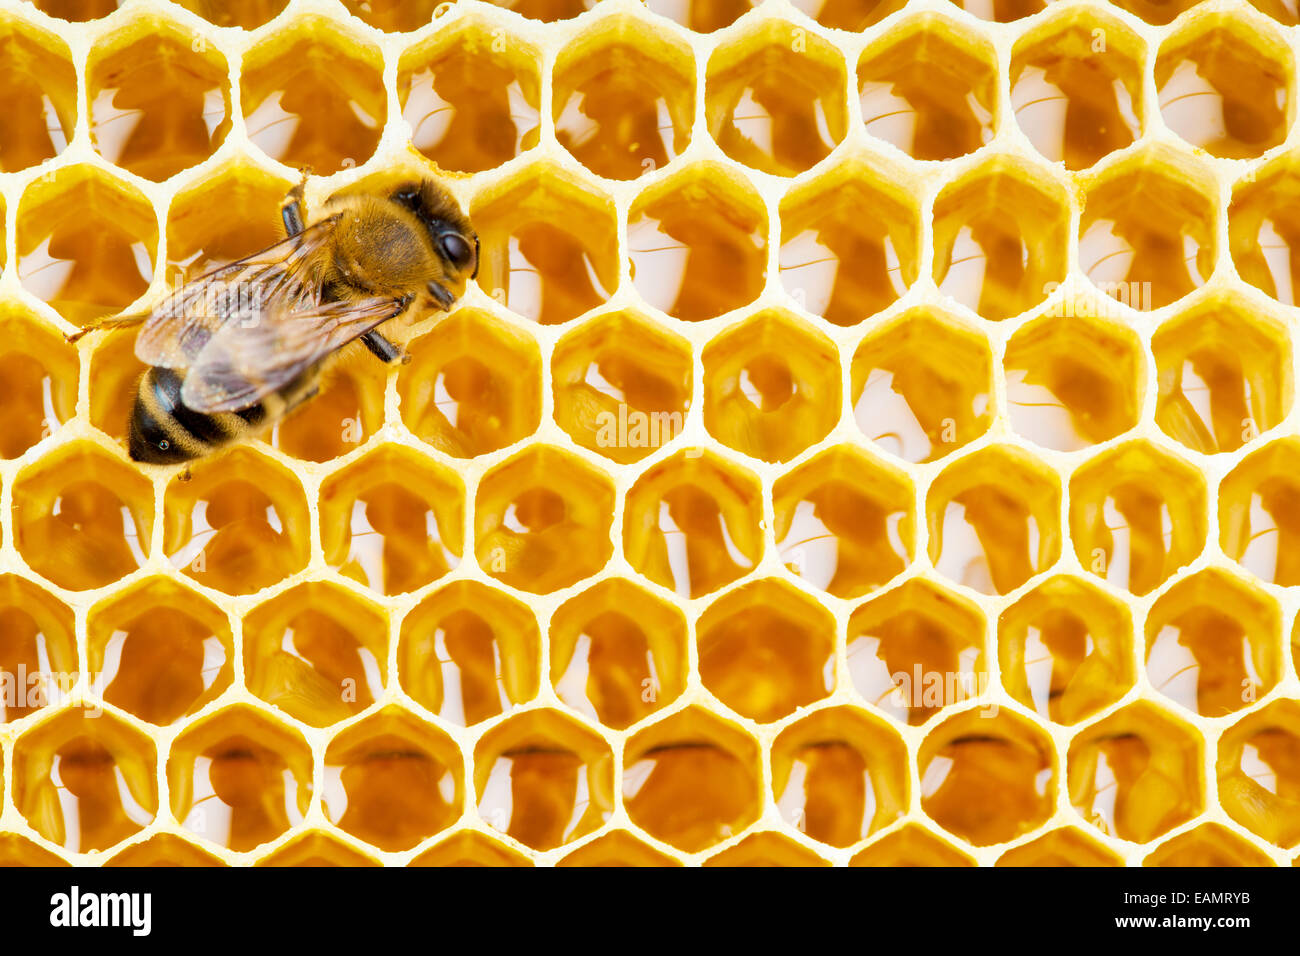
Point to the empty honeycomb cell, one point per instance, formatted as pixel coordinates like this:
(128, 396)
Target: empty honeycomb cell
(698, 243)
(994, 519)
(616, 848)
(85, 780)
(1065, 650)
(313, 96)
(248, 14)
(17, 850)
(469, 848)
(542, 520)
(624, 98)
(38, 381)
(116, 373)
(1076, 88)
(1258, 770)
(1283, 11)
(158, 103)
(159, 651)
(692, 780)
(86, 243)
(543, 779)
(468, 652)
(1137, 515)
(702, 16)
(315, 849)
(392, 520)
(1067, 846)
(163, 849)
(38, 648)
(471, 96)
(911, 845)
(474, 384)
(238, 523)
(78, 11)
(316, 652)
(1223, 86)
(546, 10)
(1000, 238)
(82, 519)
(765, 650)
(1002, 11)
(392, 780)
(38, 84)
(845, 522)
(1210, 845)
(929, 87)
(774, 98)
(850, 243)
(838, 776)
(238, 779)
(393, 16)
(691, 523)
(1158, 12)
(922, 385)
(1224, 375)
(1073, 382)
(1146, 236)
(1259, 504)
(852, 15)
(987, 776)
(622, 385)
(768, 848)
(1264, 229)
(1137, 773)
(1213, 644)
(549, 245)
(617, 653)
(915, 650)
(771, 386)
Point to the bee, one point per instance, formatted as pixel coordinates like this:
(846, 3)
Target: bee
(243, 345)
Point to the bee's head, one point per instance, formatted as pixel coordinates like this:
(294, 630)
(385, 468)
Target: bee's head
(452, 238)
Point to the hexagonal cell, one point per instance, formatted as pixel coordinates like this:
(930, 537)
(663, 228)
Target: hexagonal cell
(624, 98)
(86, 243)
(38, 85)
(911, 845)
(1210, 845)
(163, 849)
(765, 650)
(543, 779)
(1073, 382)
(1223, 87)
(85, 780)
(248, 14)
(851, 15)
(1224, 375)
(549, 245)
(239, 523)
(393, 16)
(468, 848)
(1001, 237)
(316, 849)
(468, 652)
(692, 523)
(1137, 515)
(38, 648)
(348, 410)
(617, 653)
(313, 95)
(542, 520)
(82, 519)
(238, 779)
(698, 243)
(38, 381)
(1259, 772)
(1146, 236)
(929, 88)
(692, 780)
(116, 373)
(988, 777)
(547, 10)
(1258, 512)
(1067, 846)
(771, 386)
(622, 385)
(316, 652)
(838, 776)
(917, 649)
(471, 96)
(1065, 650)
(768, 848)
(702, 16)
(850, 243)
(159, 651)
(774, 98)
(1283, 11)
(78, 11)
(923, 385)
(392, 780)
(1158, 12)
(1264, 229)
(392, 520)
(1076, 88)
(158, 102)
(1002, 11)
(994, 519)
(617, 848)
(1137, 774)
(17, 851)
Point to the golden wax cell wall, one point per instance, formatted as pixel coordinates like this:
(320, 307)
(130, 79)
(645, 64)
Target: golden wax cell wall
(870, 439)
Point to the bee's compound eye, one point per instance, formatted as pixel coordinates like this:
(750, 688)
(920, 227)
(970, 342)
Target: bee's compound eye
(456, 249)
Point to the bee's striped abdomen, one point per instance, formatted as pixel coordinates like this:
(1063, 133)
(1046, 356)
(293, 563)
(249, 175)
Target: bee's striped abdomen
(165, 431)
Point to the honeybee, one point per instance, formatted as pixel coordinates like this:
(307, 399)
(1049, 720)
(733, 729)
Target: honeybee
(243, 345)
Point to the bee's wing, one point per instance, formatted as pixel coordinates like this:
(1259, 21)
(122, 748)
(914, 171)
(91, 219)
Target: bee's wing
(241, 364)
(242, 293)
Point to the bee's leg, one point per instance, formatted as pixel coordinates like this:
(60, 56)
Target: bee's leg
(382, 349)
(291, 210)
(107, 325)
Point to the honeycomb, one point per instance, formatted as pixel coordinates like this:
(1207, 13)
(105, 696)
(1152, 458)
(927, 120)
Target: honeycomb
(870, 439)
